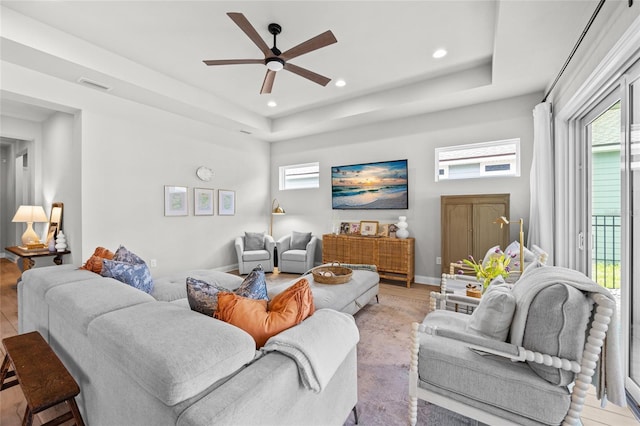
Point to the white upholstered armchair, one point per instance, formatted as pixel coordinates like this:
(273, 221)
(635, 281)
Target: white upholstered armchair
(296, 252)
(522, 356)
(253, 249)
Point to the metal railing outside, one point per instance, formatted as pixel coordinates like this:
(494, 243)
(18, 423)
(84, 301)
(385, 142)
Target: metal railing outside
(606, 250)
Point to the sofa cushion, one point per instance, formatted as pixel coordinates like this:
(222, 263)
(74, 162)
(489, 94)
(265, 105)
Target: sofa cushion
(262, 320)
(299, 240)
(255, 255)
(172, 352)
(203, 296)
(172, 287)
(41, 280)
(496, 384)
(136, 275)
(340, 297)
(253, 241)
(294, 255)
(94, 263)
(492, 318)
(81, 302)
(548, 329)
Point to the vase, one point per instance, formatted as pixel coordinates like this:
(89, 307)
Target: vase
(52, 244)
(402, 228)
(61, 242)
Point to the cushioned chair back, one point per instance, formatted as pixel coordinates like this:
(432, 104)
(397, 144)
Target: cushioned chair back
(556, 325)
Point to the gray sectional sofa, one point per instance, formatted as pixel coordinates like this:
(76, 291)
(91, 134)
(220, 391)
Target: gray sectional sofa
(144, 359)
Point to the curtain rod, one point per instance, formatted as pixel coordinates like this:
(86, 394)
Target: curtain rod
(584, 33)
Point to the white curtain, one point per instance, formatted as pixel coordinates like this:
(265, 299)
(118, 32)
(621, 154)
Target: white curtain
(541, 207)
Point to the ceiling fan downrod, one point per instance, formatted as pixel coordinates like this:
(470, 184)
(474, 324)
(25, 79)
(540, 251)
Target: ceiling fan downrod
(275, 29)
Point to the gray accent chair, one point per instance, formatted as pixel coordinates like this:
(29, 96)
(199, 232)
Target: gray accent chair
(250, 257)
(296, 252)
(526, 355)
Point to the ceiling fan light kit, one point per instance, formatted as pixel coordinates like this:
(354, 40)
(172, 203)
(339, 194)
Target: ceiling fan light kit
(274, 59)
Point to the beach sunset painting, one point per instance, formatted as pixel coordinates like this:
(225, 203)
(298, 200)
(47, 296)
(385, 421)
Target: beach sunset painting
(382, 185)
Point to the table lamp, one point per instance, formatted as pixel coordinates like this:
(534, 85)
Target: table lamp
(28, 215)
(276, 210)
(504, 221)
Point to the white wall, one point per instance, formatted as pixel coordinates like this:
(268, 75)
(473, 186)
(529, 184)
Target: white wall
(121, 156)
(61, 177)
(414, 138)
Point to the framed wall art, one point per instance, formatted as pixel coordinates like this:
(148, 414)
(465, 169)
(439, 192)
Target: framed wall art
(226, 202)
(202, 202)
(175, 201)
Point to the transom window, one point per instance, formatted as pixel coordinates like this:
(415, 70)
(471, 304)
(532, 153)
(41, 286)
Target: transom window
(477, 160)
(299, 176)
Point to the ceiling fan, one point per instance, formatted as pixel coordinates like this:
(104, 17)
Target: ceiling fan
(274, 59)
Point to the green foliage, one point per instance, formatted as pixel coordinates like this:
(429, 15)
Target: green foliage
(608, 275)
(497, 265)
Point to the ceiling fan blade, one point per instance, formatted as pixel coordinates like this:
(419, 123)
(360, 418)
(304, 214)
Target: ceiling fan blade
(233, 61)
(267, 84)
(251, 32)
(322, 40)
(309, 75)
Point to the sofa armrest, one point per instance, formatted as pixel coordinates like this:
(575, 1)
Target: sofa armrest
(311, 247)
(283, 244)
(269, 244)
(239, 244)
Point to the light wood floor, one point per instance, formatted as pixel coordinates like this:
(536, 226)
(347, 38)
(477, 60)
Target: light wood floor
(12, 403)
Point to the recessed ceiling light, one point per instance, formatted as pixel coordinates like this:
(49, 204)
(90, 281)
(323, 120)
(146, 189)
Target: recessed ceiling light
(341, 83)
(272, 104)
(440, 53)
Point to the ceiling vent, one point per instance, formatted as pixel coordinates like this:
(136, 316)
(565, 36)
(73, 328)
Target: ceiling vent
(93, 84)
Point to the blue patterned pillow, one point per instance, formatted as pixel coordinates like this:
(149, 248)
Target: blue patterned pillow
(124, 255)
(203, 296)
(136, 275)
(254, 286)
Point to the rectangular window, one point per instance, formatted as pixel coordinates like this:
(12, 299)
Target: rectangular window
(300, 176)
(471, 161)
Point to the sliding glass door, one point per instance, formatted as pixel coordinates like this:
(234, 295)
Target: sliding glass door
(610, 207)
(631, 204)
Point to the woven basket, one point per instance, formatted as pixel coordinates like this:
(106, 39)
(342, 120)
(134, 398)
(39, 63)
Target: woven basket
(334, 274)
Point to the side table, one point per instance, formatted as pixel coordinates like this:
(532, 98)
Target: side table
(27, 256)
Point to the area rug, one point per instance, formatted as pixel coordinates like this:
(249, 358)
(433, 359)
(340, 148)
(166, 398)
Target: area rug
(383, 365)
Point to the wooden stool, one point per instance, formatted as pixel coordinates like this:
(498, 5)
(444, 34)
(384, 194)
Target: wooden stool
(43, 378)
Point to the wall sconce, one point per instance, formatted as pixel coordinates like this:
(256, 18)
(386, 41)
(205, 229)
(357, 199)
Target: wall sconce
(276, 210)
(28, 215)
(504, 221)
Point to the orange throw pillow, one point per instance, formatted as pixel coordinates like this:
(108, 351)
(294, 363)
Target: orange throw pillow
(94, 264)
(262, 320)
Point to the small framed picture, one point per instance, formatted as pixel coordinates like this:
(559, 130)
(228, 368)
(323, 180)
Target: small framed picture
(368, 228)
(383, 230)
(202, 202)
(175, 201)
(392, 230)
(344, 228)
(226, 202)
(354, 228)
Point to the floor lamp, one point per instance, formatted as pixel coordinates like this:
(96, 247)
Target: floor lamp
(276, 210)
(504, 221)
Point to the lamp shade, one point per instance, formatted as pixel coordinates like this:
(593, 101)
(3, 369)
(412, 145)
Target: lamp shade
(30, 214)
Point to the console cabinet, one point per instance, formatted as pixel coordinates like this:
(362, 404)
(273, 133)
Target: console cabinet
(468, 226)
(394, 257)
